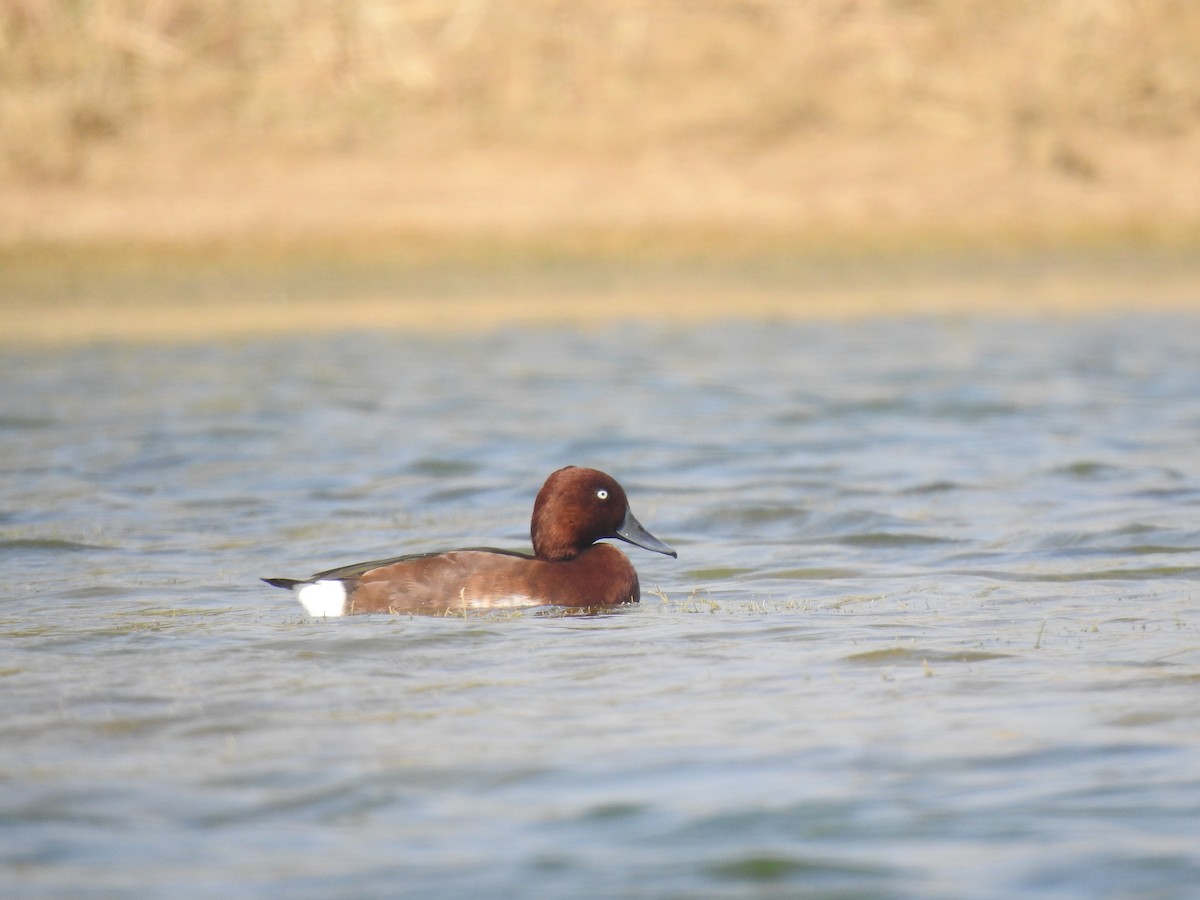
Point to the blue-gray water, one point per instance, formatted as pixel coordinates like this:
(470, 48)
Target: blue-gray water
(934, 629)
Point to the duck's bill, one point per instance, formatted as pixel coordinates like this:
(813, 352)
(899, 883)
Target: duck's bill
(631, 530)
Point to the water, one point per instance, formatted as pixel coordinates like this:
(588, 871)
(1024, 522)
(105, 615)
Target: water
(934, 629)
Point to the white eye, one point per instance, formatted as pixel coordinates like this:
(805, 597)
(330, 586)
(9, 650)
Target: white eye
(602, 494)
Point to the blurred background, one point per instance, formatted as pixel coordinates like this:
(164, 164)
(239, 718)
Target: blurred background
(375, 139)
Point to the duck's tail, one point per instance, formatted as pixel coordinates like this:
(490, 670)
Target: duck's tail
(288, 583)
(322, 598)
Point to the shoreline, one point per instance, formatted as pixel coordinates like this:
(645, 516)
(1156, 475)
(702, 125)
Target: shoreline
(63, 297)
(166, 172)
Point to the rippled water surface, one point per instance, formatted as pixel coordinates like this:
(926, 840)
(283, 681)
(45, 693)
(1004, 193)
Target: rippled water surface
(934, 629)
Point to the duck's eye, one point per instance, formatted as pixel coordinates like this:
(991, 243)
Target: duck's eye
(602, 494)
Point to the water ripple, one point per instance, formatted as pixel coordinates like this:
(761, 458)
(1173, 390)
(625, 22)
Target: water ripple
(934, 623)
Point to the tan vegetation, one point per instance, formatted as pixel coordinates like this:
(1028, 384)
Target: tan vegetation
(599, 126)
(605, 75)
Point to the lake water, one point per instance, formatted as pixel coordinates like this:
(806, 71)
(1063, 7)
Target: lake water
(934, 629)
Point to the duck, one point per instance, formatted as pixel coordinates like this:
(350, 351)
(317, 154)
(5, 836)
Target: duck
(576, 509)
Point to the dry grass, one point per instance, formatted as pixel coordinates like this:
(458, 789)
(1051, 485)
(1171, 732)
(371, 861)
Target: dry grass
(682, 123)
(606, 76)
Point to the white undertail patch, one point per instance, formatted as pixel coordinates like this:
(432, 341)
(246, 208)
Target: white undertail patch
(322, 598)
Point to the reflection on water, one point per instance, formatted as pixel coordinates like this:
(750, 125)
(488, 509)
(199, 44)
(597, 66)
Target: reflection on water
(934, 628)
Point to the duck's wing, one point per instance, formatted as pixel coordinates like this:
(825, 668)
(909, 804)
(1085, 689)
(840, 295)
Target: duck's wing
(354, 570)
